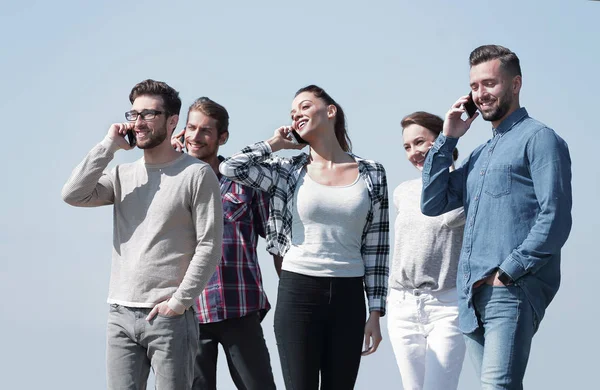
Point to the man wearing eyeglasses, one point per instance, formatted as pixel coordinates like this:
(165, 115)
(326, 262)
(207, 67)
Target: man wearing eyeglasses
(167, 238)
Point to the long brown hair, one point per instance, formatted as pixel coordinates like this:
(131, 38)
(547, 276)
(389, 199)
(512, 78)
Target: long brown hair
(340, 119)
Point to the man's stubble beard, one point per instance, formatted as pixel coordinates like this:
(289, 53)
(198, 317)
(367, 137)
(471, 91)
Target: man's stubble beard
(505, 103)
(156, 138)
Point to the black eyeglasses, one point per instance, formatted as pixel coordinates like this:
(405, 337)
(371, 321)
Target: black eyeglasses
(145, 115)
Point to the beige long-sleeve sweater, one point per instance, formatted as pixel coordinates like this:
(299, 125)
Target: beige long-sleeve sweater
(168, 225)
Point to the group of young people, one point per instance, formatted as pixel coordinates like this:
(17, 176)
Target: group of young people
(476, 252)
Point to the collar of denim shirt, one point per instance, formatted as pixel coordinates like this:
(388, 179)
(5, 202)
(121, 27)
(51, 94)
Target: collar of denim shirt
(509, 122)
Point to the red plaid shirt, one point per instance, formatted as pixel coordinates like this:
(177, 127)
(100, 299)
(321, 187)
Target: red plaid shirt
(236, 289)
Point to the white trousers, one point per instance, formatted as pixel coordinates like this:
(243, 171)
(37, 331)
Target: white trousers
(428, 345)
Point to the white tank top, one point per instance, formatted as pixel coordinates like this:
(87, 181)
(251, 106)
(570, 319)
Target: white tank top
(327, 228)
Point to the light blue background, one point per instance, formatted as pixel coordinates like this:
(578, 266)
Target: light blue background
(66, 69)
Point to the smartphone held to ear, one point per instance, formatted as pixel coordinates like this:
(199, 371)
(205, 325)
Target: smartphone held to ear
(182, 140)
(130, 137)
(295, 138)
(470, 106)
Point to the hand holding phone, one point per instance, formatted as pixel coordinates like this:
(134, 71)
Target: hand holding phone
(470, 106)
(454, 124)
(130, 137)
(178, 140)
(122, 135)
(285, 137)
(296, 139)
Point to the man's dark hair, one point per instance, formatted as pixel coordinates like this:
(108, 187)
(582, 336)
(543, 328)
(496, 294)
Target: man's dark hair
(170, 97)
(509, 61)
(212, 110)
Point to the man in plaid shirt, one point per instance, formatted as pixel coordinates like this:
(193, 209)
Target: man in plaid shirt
(233, 304)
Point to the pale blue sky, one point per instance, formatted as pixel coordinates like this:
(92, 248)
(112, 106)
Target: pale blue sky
(67, 68)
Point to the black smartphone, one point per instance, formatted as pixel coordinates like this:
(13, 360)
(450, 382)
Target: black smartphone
(182, 140)
(130, 136)
(470, 106)
(295, 138)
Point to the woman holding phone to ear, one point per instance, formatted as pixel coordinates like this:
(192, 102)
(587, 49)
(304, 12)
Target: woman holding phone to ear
(329, 220)
(423, 302)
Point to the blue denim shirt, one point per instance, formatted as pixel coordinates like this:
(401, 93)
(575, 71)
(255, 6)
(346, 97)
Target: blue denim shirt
(516, 191)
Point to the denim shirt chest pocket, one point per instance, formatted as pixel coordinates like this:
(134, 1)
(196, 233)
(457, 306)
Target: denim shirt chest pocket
(498, 181)
(236, 207)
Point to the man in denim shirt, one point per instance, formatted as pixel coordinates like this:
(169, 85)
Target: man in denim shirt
(516, 191)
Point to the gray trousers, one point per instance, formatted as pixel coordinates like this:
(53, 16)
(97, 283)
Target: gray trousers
(167, 344)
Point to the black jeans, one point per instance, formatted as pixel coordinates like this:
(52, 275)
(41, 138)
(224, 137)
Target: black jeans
(246, 351)
(319, 327)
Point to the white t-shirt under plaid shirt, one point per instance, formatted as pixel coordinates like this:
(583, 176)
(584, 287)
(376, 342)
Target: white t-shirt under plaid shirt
(256, 166)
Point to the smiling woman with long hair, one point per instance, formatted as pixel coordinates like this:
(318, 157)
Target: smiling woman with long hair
(329, 221)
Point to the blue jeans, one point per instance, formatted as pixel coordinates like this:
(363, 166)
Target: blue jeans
(499, 347)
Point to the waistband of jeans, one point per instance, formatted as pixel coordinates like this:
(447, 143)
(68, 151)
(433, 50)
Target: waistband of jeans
(141, 309)
(421, 292)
